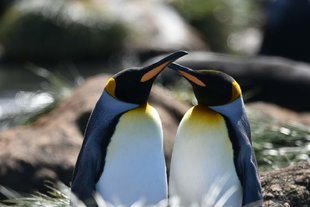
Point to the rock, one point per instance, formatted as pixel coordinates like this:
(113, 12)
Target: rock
(59, 29)
(269, 79)
(47, 150)
(160, 24)
(288, 186)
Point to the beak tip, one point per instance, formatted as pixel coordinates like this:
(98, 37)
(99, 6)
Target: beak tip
(181, 53)
(176, 55)
(154, 69)
(176, 67)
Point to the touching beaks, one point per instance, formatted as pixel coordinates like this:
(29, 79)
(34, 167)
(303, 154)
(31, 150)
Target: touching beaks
(187, 73)
(154, 69)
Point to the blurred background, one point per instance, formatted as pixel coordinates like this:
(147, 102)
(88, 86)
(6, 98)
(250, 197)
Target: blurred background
(48, 48)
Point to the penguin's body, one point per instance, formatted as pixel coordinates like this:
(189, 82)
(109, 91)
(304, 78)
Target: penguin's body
(134, 164)
(213, 163)
(202, 159)
(122, 157)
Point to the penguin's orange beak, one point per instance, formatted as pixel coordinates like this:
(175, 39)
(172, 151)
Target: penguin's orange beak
(187, 73)
(153, 70)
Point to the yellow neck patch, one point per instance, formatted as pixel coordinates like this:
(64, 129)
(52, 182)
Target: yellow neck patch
(110, 87)
(144, 111)
(144, 107)
(236, 91)
(202, 114)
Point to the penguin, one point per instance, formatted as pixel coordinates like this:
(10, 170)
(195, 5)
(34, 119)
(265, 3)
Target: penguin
(213, 163)
(122, 158)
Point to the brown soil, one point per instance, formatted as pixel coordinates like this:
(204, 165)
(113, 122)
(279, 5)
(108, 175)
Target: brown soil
(288, 187)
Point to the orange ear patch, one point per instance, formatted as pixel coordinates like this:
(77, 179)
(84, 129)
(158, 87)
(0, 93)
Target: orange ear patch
(110, 87)
(236, 91)
(192, 79)
(149, 75)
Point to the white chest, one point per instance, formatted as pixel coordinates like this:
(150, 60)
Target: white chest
(202, 166)
(134, 166)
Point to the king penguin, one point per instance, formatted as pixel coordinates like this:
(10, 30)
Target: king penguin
(122, 158)
(213, 163)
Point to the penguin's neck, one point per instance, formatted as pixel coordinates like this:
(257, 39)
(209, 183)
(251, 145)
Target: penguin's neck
(113, 105)
(202, 114)
(233, 111)
(137, 125)
(235, 114)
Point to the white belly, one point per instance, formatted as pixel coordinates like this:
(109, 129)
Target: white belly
(202, 168)
(134, 166)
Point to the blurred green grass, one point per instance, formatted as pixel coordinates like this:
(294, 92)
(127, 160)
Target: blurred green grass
(217, 20)
(278, 144)
(55, 87)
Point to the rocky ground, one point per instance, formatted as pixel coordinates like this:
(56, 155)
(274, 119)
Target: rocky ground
(287, 187)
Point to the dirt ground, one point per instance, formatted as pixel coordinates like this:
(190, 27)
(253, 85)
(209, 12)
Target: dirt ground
(288, 187)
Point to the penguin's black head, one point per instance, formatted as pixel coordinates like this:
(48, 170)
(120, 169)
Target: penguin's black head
(134, 85)
(211, 87)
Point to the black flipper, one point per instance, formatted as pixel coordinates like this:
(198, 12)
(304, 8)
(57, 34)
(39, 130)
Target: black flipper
(91, 159)
(244, 157)
(245, 161)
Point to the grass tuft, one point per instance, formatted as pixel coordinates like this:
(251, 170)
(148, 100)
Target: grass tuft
(57, 196)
